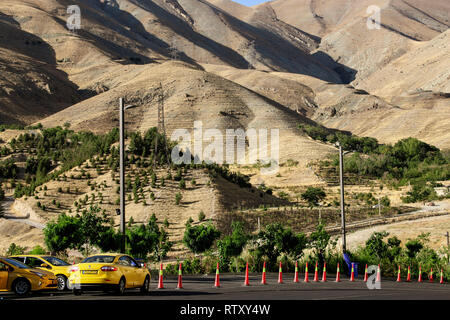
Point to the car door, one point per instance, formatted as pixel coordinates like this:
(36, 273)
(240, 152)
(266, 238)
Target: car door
(128, 270)
(4, 269)
(139, 275)
(36, 263)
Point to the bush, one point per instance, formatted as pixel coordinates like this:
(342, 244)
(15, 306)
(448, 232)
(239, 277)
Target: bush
(178, 198)
(200, 238)
(201, 216)
(38, 250)
(15, 249)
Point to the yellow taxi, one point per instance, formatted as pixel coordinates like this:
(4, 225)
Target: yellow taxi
(20, 278)
(109, 272)
(58, 267)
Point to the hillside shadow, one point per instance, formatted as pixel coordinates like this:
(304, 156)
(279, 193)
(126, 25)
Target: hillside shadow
(346, 73)
(288, 56)
(13, 38)
(182, 28)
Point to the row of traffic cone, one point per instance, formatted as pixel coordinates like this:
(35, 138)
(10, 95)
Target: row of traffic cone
(430, 277)
(296, 278)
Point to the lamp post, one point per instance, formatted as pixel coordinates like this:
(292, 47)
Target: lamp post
(341, 182)
(122, 109)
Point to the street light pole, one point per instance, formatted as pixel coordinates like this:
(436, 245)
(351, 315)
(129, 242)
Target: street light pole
(341, 182)
(448, 247)
(122, 109)
(122, 174)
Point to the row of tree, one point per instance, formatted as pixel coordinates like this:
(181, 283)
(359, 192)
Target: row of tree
(95, 229)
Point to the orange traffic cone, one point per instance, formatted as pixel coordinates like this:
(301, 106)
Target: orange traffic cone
(352, 275)
(324, 274)
(160, 282)
(180, 281)
(338, 274)
(408, 277)
(263, 280)
(296, 272)
(306, 273)
(442, 277)
(420, 274)
(217, 281)
(365, 274)
(316, 274)
(399, 277)
(378, 274)
(431, 275)
(280, 274)
(246, 282)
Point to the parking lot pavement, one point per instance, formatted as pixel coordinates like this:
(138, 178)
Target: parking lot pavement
(232, 288)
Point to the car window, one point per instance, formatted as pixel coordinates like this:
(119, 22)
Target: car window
(133, 262)
(20, 259)
(34, 262)
(56, 262)
(125, 261)
(3, 267)
(99, 259)
(16, 263)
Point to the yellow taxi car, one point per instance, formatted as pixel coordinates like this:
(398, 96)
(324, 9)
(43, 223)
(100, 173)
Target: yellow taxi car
(20, 278)
(58, 267)
(107, 272)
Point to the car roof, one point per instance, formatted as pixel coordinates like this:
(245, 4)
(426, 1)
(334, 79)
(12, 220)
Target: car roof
(30, 255)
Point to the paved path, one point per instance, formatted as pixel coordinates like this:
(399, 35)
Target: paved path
(201, 288)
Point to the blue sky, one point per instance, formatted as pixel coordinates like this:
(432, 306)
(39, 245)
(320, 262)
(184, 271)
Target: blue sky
(250, 2)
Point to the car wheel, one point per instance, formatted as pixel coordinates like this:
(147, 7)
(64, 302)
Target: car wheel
(146, 286)
(62, 282)
(77, 292)
(21, 287)
(121, 286)
(69, 286)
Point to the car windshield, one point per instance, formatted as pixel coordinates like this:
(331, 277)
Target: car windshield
(17, 264)
(99, 259)
(56, 262)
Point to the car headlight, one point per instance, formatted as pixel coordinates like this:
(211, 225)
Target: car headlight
(40, 275)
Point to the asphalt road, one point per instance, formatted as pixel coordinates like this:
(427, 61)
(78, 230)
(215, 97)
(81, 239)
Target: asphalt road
(232, 288)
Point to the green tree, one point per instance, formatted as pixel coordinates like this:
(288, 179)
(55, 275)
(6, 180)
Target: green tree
(15, 249)
(38, 250)
(201, 216)
(319, 240)
(2, 193)
(313, 196)
(232, 245)
(62, 234)
(276, 240)
(2, 211)
(200, 238)
(178, 197)
(162, 247)
(92, 227)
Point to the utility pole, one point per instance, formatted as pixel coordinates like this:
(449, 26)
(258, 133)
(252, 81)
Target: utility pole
(379, 206)
(122, 109)
(448, 247)
(341, 181)
(122, 174)
(161, 126)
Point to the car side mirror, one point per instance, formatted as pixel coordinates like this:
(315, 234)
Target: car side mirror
(44, 265)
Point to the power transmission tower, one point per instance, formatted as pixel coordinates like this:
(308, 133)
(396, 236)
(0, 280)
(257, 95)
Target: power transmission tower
(161, 129)
(173, 50)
